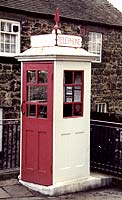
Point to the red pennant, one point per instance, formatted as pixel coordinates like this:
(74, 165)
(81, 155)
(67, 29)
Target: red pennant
(57, 18)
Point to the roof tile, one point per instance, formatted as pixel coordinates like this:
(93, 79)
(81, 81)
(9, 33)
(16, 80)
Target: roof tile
(100, 11)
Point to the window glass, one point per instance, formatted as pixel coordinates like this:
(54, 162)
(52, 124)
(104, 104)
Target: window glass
(3, 26)
(77, 94)
(77, 109)
(101, 107)
(42, 76)
(67, 110)
(73, 93)
(68, 77)
(7, 48)
(13, 39)
(31, 110)
(37, 93)
(31, 76)
(2, 37)
(68, 94)
(77, 77)
(13, 48)
(8, 27)
(2, 47)
(9, 36)
(42, 111)
(95, 44)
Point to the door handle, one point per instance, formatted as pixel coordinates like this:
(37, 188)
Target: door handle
(22, 107)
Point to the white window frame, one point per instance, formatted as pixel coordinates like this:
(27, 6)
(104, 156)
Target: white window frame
(101, 107)
(95, 45)
(12, 32)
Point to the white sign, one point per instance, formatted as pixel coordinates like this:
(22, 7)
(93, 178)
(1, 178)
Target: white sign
(69, 41)
(43, 40)
(50, 40)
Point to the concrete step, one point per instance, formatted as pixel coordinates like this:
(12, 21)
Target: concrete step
(92, 182)
(96, 180)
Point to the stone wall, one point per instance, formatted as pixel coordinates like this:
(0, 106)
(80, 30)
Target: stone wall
(106, 76)
(10, 75)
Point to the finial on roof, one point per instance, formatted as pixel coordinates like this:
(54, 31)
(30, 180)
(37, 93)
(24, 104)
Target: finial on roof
(56, 18)
(56, 27)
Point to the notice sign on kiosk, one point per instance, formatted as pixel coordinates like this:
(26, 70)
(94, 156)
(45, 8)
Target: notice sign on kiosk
(62, 40)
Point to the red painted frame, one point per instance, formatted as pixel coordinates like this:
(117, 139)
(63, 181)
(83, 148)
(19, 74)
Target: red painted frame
(36, 103)
(37, 130)
(82, 92)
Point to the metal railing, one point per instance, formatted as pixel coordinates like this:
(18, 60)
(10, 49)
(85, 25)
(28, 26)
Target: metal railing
(9, 143)
(106, 147)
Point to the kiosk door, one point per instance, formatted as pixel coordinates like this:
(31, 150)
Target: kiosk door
(37, 118)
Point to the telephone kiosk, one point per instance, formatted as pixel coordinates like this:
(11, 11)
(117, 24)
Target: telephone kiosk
(55, 127)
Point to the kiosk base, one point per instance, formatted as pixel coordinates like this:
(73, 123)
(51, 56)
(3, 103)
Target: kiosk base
(70, 187)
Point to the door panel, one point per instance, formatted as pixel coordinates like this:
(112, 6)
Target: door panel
(37, 122)
(29, 149)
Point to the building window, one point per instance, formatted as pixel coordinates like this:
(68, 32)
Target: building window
(101, 107)
(95, 44)
(9, 38)
(73, 93)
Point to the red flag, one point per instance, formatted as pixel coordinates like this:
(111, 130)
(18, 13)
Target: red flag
(57, 18)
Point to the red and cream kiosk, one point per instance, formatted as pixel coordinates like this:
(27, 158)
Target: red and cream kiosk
(55, 139)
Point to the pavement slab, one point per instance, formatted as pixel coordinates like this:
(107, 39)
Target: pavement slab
(13, 190)
(9, 182)
(17, 191)
(3, 194)
(29, 198)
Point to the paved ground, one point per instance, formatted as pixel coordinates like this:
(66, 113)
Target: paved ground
(12, 190)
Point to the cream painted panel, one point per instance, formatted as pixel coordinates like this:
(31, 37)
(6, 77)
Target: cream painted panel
(73, 160)
(65, 141)
(71, 143)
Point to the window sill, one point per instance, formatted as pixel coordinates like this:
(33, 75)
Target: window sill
(70, 117)
(95, 61)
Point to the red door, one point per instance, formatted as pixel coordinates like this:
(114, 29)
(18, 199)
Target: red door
(37, 122)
